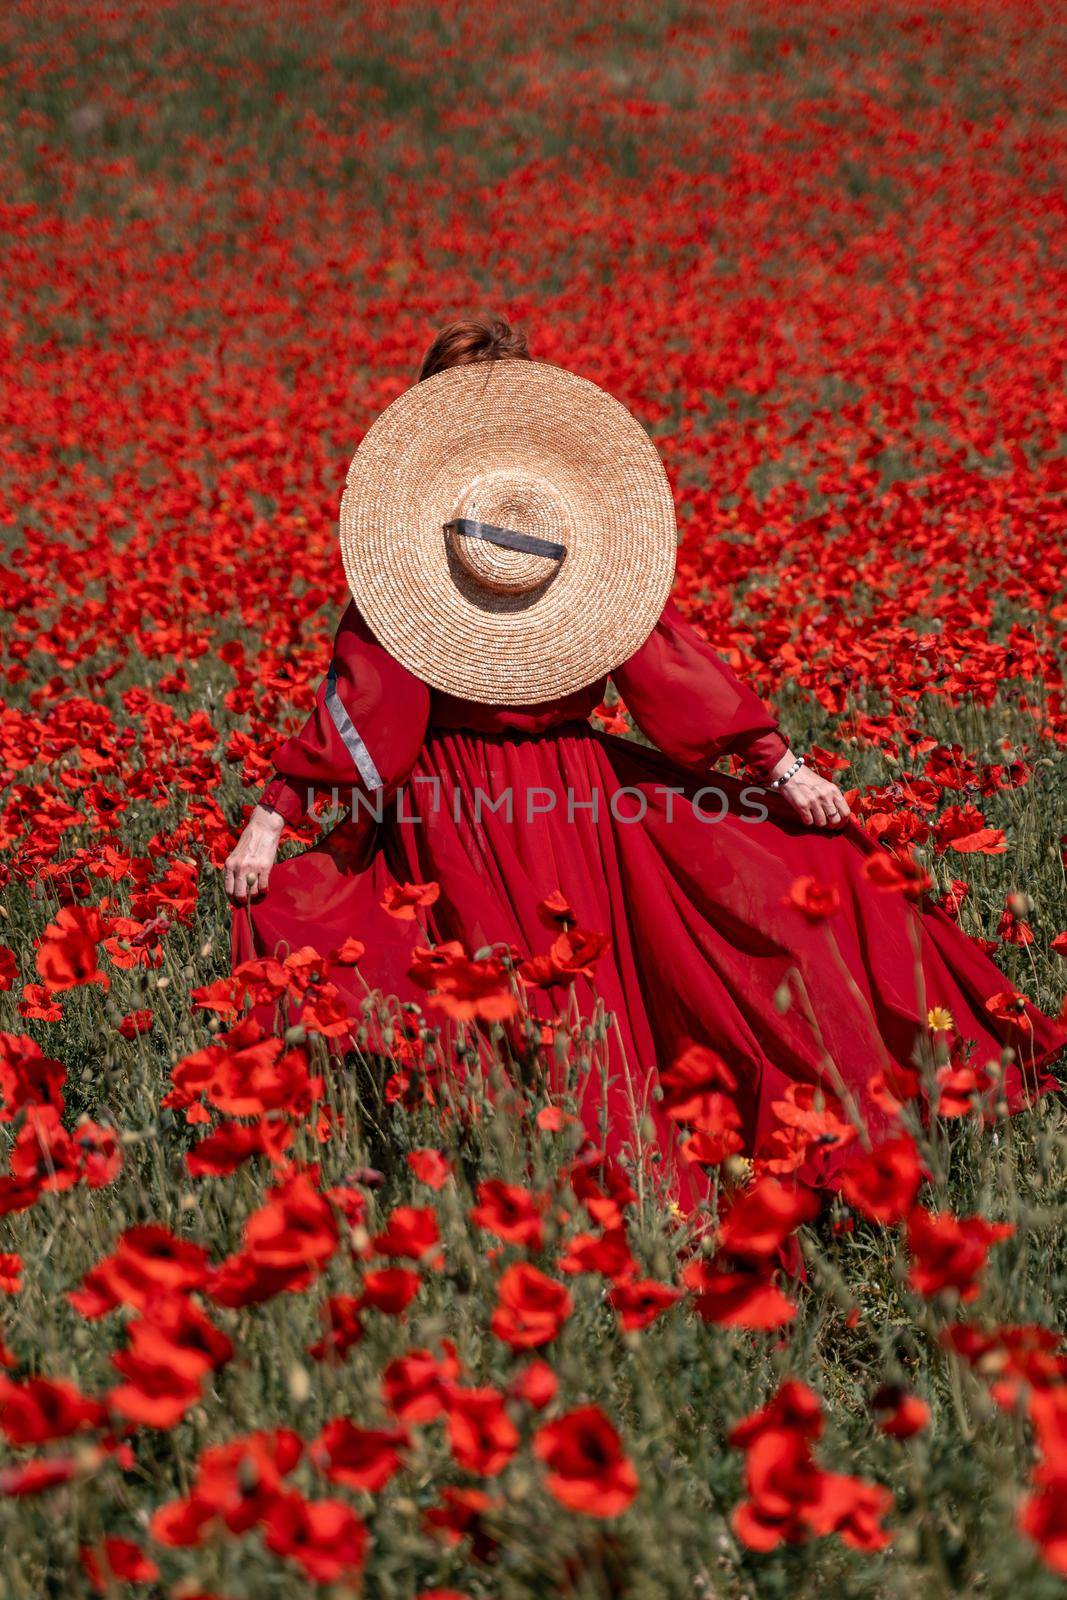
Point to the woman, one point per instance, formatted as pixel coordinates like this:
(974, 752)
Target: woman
(509, 536)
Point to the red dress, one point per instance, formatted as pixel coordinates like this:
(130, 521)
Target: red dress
(693, 895)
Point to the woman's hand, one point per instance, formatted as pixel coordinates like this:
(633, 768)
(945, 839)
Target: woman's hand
(816, 799)
(248, 864)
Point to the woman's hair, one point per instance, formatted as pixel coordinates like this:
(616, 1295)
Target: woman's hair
(474, 339)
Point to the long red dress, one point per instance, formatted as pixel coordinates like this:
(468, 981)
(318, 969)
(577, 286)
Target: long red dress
(694, 897)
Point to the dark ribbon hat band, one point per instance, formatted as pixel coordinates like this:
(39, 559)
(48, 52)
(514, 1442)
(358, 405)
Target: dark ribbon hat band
(508, 537)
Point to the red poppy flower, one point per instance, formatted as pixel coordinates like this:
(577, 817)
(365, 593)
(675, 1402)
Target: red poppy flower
(950, 1252)
(853, 1509)
(961, 1089)
(1013, 927)
(531, 1308)
(38, 1004)
(1010, 1007)
(963, 828)
(223, 996)
(27, 1076)
(576, 952)
(411, 1231)
(587, 1468)
(175, 1332)
(816, 900)
(1042, 1515)
(100, 1153)
(359, 1458)
(536, 1383)
(390, 1290)
(784, 1486)
(705, 1148)
(155, 1394)
(607, 1253)
(793, 1408)
(40, 1409)
(760, 1220)
(224, 1150)
(37, 1476)
(344, 1328)
(44, 1153)
(894, 1087)
(348, 954)
(551, 1119)
(428, 962)
(414, 1386)
(899, 874)
(790, 1497)
(286, 1243)
(430, 1167)
(1043, 1518)
(816, 1114)
(1011, 1358)
(403, 899)
(66, 956)
(149, 1261)
(511, 1212)
(326, 1012)
(116, 1561)
(171, 1349)
(482, 1436)
(352, 1203)
(136, 1023)
(460, 1514)
(324, 1538)
(467, 989)
(8, 969)
(236, 1484)
(641, 1301)
(694, 1088)
(883, 1183)
(555, 911)
(899, 1413)
(736, 1297)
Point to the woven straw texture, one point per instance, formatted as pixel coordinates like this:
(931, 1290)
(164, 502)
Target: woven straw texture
(530, 447)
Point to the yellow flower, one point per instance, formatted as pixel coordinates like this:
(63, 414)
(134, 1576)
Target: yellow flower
(938, 1020)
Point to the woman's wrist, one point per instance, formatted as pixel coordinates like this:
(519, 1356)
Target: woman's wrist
(782, 765)
(269, 817)
(787, 772)
(761, 753)
(284, 799)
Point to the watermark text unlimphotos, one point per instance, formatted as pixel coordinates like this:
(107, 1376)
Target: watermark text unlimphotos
(422, 798)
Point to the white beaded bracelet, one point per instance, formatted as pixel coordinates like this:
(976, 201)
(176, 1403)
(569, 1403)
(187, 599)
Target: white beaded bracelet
(780, 783)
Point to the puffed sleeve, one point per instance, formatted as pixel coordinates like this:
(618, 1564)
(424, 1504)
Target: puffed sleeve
(689, 703)
(366, 729)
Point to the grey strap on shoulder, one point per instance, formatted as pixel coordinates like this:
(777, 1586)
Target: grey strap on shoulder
(361, 756)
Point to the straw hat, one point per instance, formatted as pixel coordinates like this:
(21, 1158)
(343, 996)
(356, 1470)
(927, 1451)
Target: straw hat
(508, 532)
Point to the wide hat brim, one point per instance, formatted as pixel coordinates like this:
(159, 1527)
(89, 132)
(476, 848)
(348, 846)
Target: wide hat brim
(537, 449)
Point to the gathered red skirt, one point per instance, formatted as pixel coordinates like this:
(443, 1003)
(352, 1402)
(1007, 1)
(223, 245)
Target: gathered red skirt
(695, 899)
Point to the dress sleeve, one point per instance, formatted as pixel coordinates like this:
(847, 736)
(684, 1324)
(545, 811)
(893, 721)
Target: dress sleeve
(365, 732)
(689, 703)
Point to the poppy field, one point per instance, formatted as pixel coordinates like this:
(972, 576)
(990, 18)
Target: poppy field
(347, 1305)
